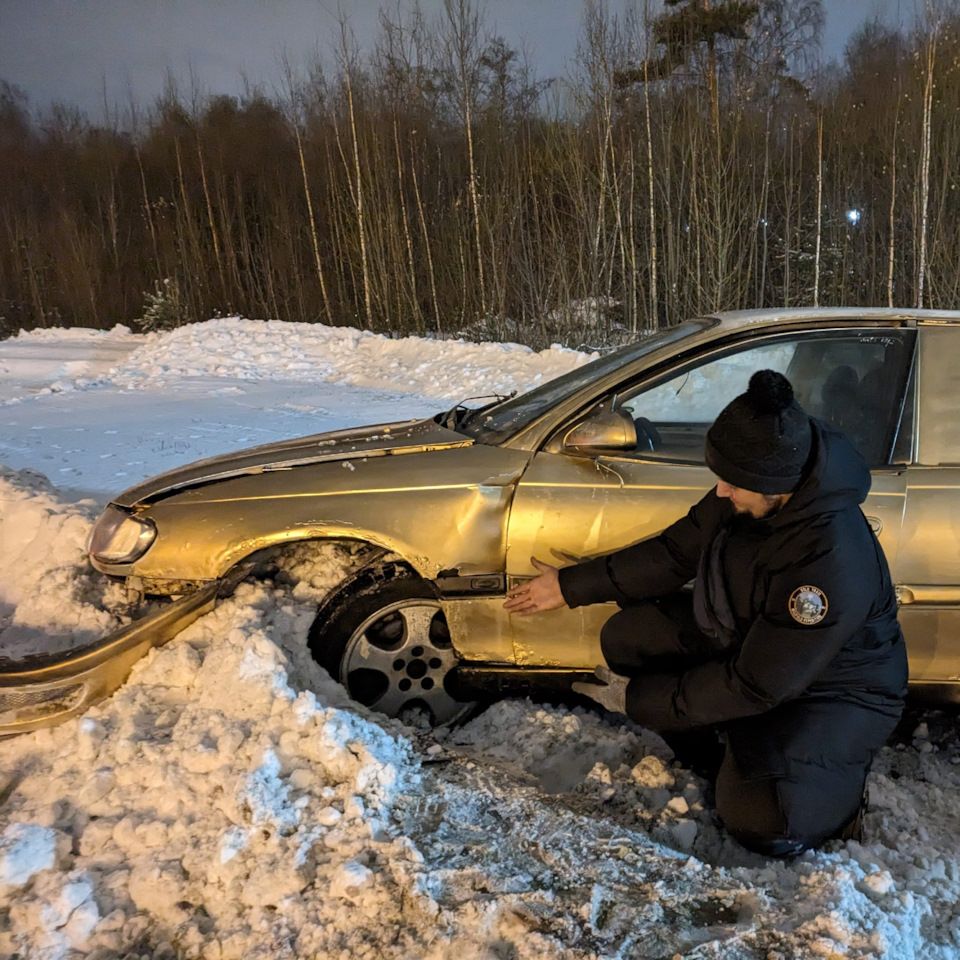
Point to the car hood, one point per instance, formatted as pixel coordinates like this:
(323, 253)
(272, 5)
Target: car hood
(380, 440)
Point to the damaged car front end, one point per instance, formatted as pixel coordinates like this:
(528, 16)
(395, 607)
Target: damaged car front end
(184, 539)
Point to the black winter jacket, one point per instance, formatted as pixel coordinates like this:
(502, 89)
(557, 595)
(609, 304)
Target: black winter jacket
(788, 692)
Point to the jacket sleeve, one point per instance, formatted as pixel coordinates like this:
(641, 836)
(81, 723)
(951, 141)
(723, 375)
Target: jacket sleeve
(779, 658)
(650, 568)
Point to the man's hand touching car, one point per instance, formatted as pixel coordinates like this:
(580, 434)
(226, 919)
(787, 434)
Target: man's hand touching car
(536, 595)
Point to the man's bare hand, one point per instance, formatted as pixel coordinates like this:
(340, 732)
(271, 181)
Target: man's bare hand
(536, 595)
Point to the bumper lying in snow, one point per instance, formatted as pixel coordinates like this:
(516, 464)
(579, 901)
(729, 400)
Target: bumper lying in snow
(46, 690)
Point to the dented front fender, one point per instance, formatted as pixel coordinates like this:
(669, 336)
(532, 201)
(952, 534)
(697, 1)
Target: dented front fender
(439, 509)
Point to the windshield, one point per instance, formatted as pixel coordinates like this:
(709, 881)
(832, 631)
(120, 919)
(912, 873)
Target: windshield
(498, 423)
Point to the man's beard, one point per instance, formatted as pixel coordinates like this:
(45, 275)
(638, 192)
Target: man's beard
(773, 510)
(745, 522)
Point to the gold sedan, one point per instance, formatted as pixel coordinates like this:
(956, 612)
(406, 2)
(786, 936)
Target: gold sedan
(452, 509)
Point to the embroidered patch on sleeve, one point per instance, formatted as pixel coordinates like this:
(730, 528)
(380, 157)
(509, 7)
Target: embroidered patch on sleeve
(808, 605)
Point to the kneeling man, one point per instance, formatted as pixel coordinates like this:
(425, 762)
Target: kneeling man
(788, 645)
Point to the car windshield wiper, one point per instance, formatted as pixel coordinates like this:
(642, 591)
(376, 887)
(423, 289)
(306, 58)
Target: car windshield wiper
(458, 414)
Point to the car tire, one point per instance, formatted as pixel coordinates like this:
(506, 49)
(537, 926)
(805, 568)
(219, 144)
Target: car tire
(384, 636)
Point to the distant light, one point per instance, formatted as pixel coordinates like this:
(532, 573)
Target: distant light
(853, 217)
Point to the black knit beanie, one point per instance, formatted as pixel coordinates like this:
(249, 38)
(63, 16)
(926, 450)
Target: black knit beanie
(761, 441)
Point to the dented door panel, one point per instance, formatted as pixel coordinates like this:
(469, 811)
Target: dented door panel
(569, 508)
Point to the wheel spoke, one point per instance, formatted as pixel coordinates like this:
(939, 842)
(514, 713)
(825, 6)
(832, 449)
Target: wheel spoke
(417, 622)
(369, 655)
(392, 701)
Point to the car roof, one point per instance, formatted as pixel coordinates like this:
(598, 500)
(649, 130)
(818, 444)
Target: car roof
(733, 322)
(732, 319)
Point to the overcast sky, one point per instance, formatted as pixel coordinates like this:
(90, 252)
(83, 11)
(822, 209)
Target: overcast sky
(84, 52)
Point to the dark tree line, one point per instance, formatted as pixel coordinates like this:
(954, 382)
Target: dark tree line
(694, 161)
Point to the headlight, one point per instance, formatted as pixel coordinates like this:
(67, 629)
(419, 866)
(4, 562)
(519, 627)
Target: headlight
(120, 538)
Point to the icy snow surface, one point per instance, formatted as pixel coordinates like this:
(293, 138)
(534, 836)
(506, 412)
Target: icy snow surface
(230, 802)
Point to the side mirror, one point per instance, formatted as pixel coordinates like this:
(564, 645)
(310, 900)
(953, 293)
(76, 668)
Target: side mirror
(603, 431)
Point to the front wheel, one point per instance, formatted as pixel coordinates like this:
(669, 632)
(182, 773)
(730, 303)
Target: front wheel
(385, 638)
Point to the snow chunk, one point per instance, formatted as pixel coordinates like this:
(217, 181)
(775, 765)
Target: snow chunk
(652, 772)
(60, 916)
(174, 665)
(349, 880)
(160, 889)
(25, 850)
(232, 842)
(265, 797)
(243, 677)
(879, 883)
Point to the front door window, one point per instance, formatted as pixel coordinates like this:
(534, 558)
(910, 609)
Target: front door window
(854, 381)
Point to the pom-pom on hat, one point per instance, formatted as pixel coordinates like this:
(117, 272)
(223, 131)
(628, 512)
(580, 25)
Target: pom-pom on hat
(762, 439)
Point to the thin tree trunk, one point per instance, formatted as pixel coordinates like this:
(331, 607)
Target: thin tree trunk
(654, 265)
(765, 212)
(186, 223)
(411, 263)
(816, 256)
(318, 263)
(925, 164)
(695, 204)
(148, 212)
(358, 196)
(459, 15)
(426, 242)
(891, 246)
(210, 220)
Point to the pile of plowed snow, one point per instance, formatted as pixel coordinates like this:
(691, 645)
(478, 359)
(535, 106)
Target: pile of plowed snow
(233, 348)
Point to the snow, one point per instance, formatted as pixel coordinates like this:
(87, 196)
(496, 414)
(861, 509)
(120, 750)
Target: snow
(230, 801)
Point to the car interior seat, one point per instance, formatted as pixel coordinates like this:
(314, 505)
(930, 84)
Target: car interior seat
(839, 396)
(856, 406)
(875, 398)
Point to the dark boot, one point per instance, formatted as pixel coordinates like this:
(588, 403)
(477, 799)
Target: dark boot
(854, 828)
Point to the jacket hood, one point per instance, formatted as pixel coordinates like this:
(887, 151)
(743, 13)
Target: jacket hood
(838, 477)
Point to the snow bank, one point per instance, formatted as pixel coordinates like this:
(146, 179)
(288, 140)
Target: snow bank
(233, 348)
(49, 598)
(53, 359)
(97, 412)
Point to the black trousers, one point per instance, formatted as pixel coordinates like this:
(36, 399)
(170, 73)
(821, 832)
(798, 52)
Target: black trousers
(774, 816)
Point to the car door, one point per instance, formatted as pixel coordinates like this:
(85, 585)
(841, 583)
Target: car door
(569, 507)
(927, 570)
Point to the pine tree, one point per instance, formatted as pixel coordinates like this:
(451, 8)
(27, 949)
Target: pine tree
(685, 26)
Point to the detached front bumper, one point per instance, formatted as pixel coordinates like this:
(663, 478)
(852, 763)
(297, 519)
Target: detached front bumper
(46, 690)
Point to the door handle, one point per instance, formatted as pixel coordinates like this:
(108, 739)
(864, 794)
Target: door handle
(927, 593)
